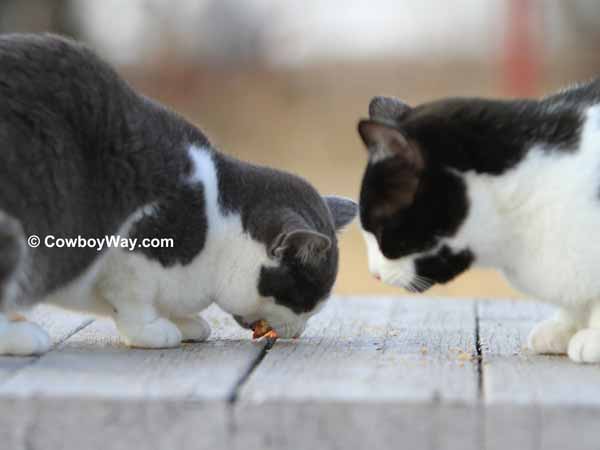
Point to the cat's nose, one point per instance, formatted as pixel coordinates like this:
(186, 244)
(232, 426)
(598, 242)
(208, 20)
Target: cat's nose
(377, 276)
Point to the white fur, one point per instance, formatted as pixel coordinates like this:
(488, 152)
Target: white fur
(22, 338)
(537, 223)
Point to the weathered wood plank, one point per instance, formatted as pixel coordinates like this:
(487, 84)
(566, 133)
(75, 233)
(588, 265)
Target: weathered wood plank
(368, 373)
(58, 323)
(94, 390)
(533, 401)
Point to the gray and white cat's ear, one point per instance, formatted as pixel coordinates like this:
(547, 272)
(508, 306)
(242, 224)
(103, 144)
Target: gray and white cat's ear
(343, 210)
(387, 109)
(383, 141)
(307, 245)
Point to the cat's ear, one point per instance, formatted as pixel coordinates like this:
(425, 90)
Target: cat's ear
(383, 141)
(343, 210)
(387, 109)
(307, 245)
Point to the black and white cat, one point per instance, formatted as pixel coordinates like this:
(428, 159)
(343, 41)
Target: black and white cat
(513, 185)
(82, 154)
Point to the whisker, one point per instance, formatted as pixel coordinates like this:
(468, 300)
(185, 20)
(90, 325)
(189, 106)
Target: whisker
(421, 284)
(424, 279)
(411, 288)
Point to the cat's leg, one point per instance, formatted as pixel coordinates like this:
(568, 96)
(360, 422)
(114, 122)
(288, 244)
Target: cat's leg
(584, 346)
(552, 336)
(132, 293)
(157, 333)
(16, 337)
(140, 324)
(193, 329)
(22, 338)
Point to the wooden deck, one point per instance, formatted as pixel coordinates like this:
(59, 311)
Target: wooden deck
(369, 373)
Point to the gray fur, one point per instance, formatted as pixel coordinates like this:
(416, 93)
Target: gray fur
(343, 210)
(309, 246)
(387, 109)
(12, 249)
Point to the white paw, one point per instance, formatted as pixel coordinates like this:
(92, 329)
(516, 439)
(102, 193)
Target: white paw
(193, 329)
(584, 347)
(160, 333)
(23, 338)
(550, 337)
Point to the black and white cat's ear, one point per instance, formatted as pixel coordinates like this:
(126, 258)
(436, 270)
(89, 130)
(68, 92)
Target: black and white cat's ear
(387, 109)
(384, 141)
(343, 210)
(307, 245)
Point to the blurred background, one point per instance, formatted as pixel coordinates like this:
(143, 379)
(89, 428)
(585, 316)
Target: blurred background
(283, 82)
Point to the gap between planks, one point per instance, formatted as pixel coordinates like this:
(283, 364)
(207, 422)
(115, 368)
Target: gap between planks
(478, 354)
(235, 393)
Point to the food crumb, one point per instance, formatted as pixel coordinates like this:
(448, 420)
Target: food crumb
(464, 356)
(16, 317)
(272, 334)
(262, 329)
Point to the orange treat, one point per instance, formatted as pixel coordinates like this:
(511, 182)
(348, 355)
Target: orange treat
(261, 328)
(272, 334)
(16, 317)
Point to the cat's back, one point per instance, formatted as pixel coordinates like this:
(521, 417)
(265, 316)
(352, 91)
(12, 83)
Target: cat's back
(577, 96)
(44, 67)
(55, 95)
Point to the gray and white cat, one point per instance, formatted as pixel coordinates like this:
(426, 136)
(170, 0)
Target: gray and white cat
(83, 155)
(513, 185)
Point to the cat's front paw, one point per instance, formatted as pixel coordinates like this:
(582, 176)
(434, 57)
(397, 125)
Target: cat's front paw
(23, 339)
(550, 337)
(160, 333)
(584, 347)
(194, 329)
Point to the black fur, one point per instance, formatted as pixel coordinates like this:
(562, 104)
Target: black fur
(298, 286)
(489, 136)
(452, 136)
(443, 265)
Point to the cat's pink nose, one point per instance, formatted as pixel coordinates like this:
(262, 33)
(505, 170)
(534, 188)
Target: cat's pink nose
(377, 276)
